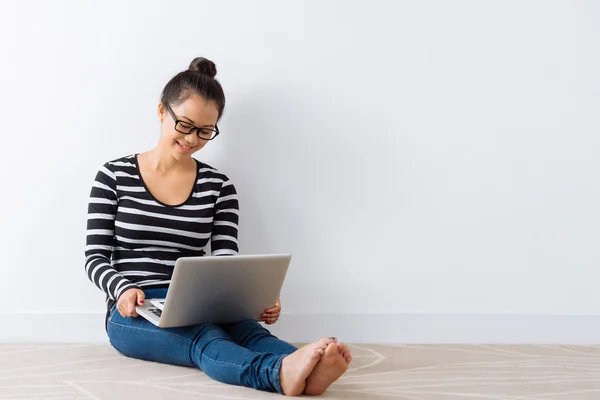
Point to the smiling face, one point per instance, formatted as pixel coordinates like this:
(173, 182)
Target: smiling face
(195, 111)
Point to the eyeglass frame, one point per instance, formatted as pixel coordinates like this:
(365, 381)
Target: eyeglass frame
(195, 128)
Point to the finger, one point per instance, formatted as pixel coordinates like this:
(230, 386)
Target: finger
(131, 307)
(141, 296)
(271, 318)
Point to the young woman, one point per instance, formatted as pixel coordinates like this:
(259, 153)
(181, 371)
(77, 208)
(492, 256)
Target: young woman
(148, 209)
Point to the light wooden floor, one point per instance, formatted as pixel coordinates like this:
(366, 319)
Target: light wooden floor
(411, 372)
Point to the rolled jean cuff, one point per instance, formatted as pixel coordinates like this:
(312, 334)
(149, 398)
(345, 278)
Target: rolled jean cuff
(276, 372)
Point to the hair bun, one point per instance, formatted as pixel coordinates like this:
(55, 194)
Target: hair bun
(203, 66)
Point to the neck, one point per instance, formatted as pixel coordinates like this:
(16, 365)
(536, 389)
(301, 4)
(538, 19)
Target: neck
(163, 161)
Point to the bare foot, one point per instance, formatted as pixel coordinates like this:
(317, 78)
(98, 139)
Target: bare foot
(345, 352)
(296, 367)
(331, 366)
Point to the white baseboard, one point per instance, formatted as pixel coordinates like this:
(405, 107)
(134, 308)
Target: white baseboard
(350, 328)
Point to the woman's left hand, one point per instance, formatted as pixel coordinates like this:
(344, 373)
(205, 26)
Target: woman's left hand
(271, 315)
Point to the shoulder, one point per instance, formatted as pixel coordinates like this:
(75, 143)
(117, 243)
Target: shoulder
(209, 172)
(122, 163)
(209, 175)
(113, 168)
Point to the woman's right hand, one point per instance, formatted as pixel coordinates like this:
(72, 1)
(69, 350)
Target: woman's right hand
(128, 301)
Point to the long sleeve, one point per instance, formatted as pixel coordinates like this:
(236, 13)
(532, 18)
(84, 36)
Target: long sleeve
(224, 239)
(100, 240)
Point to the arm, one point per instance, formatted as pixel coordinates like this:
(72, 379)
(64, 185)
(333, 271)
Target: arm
(100, 240)
(225, 233)
(224, 238)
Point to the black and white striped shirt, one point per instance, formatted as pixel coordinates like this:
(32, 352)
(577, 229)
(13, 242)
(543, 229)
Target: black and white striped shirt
(133, 240)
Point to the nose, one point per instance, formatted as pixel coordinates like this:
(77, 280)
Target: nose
(192, 138)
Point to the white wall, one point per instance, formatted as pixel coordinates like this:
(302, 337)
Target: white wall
(415, 157)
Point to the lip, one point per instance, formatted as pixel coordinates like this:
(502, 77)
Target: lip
(184, 149)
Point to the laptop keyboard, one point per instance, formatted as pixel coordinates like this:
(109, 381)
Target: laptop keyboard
(155, 311)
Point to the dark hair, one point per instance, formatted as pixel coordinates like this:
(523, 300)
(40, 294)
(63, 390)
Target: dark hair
(198, 79)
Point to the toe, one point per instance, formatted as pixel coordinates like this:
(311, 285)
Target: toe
(317, 354)
(331, 350)
(321, 343)
(347, 356)
(324, 341)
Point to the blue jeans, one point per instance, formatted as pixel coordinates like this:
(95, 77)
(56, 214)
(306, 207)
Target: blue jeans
(243, 353)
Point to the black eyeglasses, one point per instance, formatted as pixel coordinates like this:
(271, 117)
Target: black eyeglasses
(186, 128)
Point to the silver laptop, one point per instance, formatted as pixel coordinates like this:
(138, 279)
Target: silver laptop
(218, 289)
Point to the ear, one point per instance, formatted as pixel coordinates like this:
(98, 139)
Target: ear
(161, 112)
